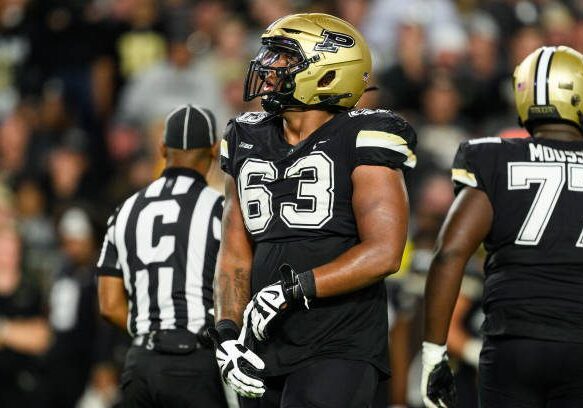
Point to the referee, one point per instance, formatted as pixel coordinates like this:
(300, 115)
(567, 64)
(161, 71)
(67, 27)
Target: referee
(156, 268)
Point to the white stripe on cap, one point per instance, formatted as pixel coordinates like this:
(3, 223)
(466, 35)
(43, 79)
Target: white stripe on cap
(210, 125)
(185, 130)
(542, 73)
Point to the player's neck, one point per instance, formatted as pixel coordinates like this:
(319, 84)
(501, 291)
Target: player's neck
(298, 126)
(558, 131)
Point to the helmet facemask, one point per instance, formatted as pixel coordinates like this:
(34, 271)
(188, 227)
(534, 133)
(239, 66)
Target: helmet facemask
(271, 74)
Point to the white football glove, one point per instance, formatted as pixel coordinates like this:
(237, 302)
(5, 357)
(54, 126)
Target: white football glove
(437, 384)
(266, 305)
(240, 367)
(271, 301)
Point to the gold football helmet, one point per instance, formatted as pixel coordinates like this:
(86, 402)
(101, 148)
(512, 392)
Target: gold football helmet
(548, 87)
(309, 61)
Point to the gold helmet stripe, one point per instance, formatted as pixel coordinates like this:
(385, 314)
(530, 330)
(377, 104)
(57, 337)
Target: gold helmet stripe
(543, 66)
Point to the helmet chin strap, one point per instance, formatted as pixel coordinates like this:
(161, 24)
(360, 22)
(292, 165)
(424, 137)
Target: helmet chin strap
(272, 104)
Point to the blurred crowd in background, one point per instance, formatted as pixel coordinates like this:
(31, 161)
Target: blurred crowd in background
(84, 89)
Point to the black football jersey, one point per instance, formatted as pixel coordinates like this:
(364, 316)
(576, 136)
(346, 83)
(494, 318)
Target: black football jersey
(297, 206)
(534, 267)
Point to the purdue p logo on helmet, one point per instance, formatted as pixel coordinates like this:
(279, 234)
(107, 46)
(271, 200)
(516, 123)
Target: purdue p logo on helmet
(309, 61)
(548, 87)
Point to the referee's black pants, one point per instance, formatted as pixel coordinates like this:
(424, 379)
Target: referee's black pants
(327, 383)
(518, 372)
(154, 379)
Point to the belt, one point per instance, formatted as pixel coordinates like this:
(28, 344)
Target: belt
(178, 341)
(144, 340)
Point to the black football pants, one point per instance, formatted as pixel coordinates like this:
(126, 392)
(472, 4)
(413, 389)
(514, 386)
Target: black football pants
(330, 383)
(528, 373)
(153, 379)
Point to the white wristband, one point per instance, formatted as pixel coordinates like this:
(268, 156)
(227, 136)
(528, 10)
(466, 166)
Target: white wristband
(432, 354)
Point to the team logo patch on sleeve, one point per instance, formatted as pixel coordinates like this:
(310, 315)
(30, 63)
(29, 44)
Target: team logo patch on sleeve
(385, 140)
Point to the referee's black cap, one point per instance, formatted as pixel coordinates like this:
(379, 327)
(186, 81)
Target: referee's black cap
(190, 127)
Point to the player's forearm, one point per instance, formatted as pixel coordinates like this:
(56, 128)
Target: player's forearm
(467, 224)
(360, 266)
(231, 291)
(380, 206)
(232, 282)
(458, 336)
(399, 358)
(441, 292)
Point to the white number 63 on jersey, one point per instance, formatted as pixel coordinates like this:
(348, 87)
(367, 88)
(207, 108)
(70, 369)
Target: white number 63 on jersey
(316, 185)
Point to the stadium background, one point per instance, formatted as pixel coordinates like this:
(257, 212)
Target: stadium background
(85, 86)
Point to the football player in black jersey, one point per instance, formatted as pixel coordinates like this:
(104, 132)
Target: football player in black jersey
(315, 217)
(522, 199)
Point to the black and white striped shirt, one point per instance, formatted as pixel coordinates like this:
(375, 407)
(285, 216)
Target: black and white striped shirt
(163, 242)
